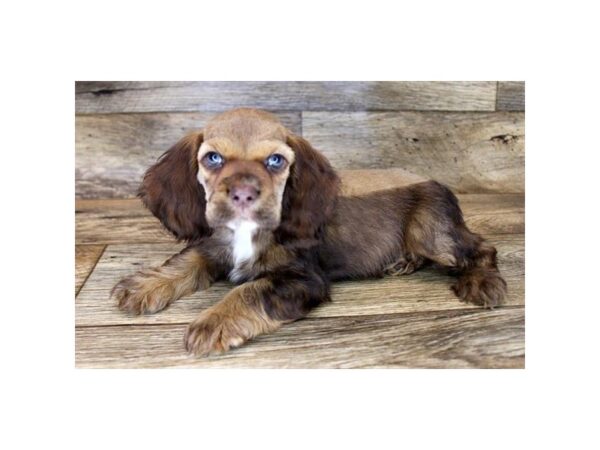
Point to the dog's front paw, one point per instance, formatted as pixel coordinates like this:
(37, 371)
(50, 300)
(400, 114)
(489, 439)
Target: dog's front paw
(213, 333)
(144, 292)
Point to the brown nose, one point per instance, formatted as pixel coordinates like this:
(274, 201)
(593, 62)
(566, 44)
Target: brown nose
(243, 195)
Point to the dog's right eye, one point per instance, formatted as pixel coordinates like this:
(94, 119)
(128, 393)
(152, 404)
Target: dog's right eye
(213, 160)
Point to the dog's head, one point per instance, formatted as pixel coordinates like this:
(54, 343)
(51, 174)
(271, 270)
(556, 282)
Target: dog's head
(244, 166)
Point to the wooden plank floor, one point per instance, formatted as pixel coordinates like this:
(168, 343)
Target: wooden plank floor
(411, 321)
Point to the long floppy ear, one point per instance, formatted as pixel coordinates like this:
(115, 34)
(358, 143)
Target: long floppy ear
(172, 192)
(310, 193)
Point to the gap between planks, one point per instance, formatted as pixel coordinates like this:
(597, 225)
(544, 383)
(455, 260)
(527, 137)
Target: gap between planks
(87, 257)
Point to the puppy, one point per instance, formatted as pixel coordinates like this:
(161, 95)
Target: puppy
(259, 206)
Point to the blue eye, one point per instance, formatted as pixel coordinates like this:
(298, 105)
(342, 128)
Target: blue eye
(213, 159)
(275, 161)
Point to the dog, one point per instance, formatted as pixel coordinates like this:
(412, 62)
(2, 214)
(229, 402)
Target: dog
(259, 206)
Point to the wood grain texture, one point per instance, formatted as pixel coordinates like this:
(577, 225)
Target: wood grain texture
(511, 96)
(471, 152)
(425, 290)
(361, 181)
(86, 257)
(121, 221)
(117, 221)
(112, 152)
(441, 339)
(488, 214)
(129, 96)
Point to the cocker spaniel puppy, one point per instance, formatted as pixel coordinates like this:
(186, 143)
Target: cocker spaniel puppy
(259, 206)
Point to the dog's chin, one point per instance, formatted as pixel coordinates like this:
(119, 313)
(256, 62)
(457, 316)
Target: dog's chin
(231, 217)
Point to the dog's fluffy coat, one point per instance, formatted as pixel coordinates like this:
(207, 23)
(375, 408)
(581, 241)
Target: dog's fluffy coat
(296, 236)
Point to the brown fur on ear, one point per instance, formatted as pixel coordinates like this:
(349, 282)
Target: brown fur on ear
(172, 192)
(309, 195)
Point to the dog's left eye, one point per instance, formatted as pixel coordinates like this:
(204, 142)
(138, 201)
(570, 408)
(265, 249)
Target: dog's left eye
(275, 161)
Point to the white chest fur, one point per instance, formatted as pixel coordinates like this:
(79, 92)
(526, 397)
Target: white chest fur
(242, 247)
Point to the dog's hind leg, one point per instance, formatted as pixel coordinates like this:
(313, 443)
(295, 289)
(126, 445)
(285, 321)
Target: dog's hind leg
(438, 233)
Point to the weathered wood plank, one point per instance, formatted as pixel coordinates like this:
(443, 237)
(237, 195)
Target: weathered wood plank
(426, 290)
(494, 213)
(476, 152)
(129, 96)
(126, 221)
(117, 221)
(102, 87)
(511, 96)
(471, 152)
(361, 181)
(444, 339)
(112, 152)
(86, 257)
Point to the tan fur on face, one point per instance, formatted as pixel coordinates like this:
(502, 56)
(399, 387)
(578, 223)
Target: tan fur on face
(245, 126)
(231, 322)
(245, 139)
